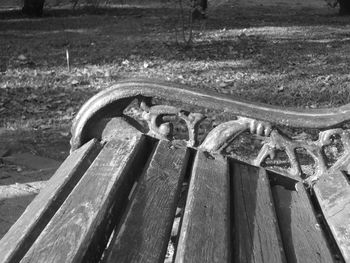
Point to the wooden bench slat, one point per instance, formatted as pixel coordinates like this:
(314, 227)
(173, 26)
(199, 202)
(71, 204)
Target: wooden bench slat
(74, 231)
(303, 238)
(333, 194)
(144, 234)
(205, 231)
(257, 237)
(39, 212)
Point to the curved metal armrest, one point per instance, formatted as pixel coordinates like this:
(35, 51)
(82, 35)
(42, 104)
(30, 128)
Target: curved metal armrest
(260, 119)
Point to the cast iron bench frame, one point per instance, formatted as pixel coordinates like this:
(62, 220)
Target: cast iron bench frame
(235, 211)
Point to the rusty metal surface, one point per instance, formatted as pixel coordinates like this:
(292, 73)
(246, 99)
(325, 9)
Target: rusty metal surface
(259, 119)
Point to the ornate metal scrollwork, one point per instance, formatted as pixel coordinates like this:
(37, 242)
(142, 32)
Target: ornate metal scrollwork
(220, 137)
(164, 130)
(261, 120)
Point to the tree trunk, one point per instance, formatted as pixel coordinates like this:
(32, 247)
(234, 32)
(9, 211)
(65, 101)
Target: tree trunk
(199, 9)
(33, 7)
(344, 7)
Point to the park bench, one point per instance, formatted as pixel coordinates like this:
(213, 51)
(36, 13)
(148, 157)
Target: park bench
(143, 153)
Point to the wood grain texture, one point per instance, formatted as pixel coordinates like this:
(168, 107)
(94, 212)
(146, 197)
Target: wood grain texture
(24, 232)
(205, 231)
(106, 129)
(333, 194)
(302, 235)
(256, 234)
(68, 236)
(144, 234)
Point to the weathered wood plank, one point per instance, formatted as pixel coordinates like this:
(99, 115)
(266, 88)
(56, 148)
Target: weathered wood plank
(303, 238)
(333, 194)
(144, 234)
(37, 215)
(256, 234)
(205, 231)
(77, 230)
